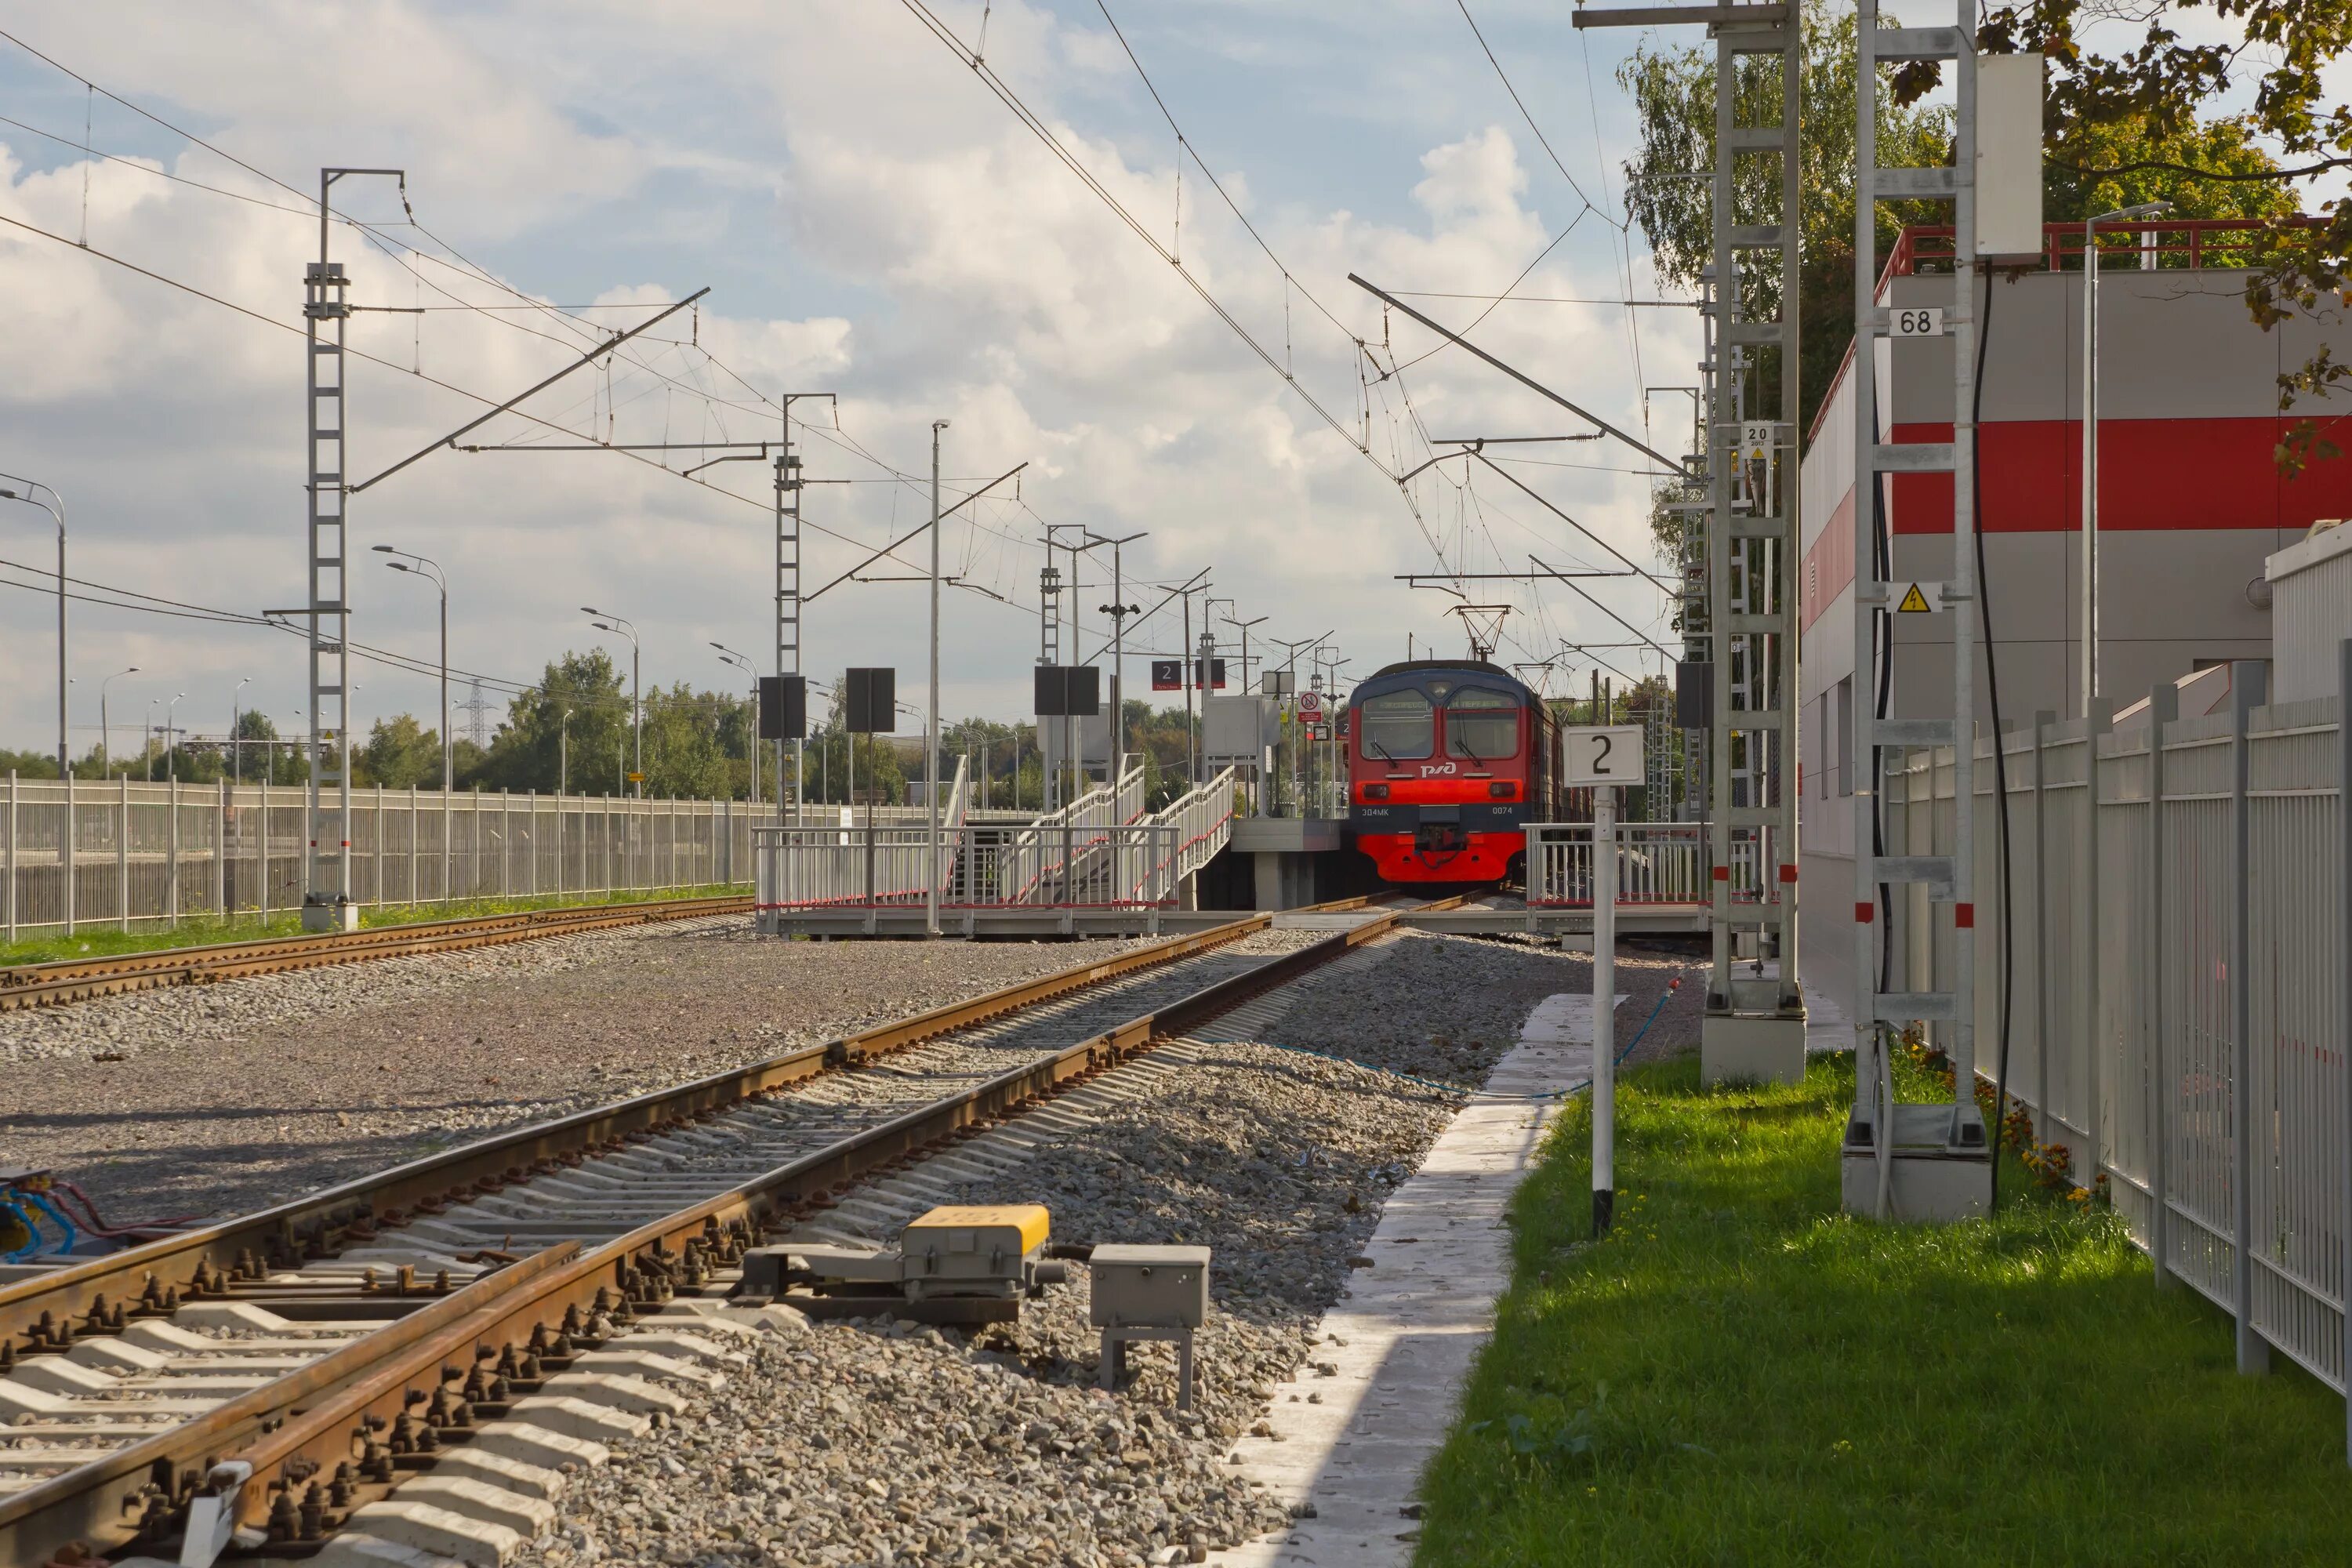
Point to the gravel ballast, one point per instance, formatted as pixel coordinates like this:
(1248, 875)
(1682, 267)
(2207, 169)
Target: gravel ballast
(219, 1099)
(880, 1442)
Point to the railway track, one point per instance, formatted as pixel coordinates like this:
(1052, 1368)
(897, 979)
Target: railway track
(341, 1343)
(78, 980)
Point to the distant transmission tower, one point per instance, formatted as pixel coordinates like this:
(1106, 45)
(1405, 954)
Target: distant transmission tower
(478, 710)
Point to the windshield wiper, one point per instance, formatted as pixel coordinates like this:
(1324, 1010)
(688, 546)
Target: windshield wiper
(1372, 745)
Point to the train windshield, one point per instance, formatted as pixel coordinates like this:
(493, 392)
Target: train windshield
(1398, 725)
(1483, 726)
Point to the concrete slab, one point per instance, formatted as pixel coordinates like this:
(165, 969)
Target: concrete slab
(357, 1549)
(568, 1416)
(533, 1444)
(1352, 1433)
(490, 1502)
(438, 1533)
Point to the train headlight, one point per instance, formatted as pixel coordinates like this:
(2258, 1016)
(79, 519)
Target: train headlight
(1376, 791)
(1502, 789)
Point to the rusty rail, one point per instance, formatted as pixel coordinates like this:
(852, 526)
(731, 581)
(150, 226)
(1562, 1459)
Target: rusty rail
(78, 980)
(337, 1433)
(152, 1278)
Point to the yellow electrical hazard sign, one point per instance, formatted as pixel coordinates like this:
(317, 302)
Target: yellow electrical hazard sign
(1919, 599)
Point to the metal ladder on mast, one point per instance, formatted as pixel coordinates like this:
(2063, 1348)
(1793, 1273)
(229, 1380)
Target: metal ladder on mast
(1754, 1026)
(1914, 1161)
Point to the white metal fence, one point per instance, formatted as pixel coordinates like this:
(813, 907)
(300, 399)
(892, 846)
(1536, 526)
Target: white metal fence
(144, 853)
(1657, 863)
(1078, 858)
(2178, 963)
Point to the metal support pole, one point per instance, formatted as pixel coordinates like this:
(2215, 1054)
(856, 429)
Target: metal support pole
(260, 847)
(2096, 722)
(932, 718)
(12, 854)
(2248, 683)
(220, 852)
(2344, 996)
(326, 884)
(172, 855)
(2163, 708)
(1604, 1007)
(122, 855)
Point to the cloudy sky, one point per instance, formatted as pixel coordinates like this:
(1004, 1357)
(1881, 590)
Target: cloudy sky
(872, 220)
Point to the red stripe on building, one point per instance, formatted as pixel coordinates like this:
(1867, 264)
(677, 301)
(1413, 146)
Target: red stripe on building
(2154, 474)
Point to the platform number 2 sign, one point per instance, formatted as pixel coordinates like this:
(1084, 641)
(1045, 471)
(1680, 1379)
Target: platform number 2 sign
(1603, 754)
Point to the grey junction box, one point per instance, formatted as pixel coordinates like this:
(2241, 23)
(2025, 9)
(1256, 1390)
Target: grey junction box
(1148, 1293)
(1148, 1287)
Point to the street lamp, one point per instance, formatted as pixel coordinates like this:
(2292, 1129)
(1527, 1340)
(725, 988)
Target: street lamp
(148, 749)
(563, 754)
(106, 731)
(622, 626)
(14, 488)
(743, 662)
(29, 492)
(422, 566)
(236, 722)
(171, 763)
(2091, 435)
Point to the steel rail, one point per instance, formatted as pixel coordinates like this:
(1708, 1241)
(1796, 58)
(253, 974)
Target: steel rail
(146, 1279)
(76, 979)
(308, 1429)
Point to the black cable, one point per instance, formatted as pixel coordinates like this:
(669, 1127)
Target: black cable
(2000, 752)
(1883, 680)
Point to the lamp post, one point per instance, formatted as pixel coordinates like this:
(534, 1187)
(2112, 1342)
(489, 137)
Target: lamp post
(2090, 437)
(236, 722)
(421, 566)
(171, 763)
(622, 626)
(931, 718)
(563, 754)
(29, 492)
(751, 748)
(105, 731)
(148, 750)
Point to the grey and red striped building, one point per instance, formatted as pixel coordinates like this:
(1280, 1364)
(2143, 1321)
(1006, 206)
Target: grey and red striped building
(2191, 501)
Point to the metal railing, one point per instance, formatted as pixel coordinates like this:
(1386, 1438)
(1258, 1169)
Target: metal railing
(1120, 866)
(1657, 863)
(156, 853)
(2178, 966)
(1077, 857)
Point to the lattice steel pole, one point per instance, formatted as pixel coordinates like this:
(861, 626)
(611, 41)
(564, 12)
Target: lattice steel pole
(327, 886)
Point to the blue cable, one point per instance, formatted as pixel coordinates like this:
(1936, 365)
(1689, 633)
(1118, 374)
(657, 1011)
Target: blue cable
(64, 1224)
(21, 1217)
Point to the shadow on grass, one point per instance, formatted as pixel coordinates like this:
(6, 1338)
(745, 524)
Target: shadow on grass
(1741, 1375)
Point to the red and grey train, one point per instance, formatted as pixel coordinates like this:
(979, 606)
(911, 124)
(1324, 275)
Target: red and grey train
(1448, 760)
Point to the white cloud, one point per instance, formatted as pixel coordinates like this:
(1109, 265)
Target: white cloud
(992, 288)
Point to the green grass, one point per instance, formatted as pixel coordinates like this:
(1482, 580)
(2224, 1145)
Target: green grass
(1740, 1374)
(195, 931)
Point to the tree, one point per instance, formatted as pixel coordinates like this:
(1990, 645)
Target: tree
(400, 754)
(2131, 123)
(1674, 93)
(527, 751)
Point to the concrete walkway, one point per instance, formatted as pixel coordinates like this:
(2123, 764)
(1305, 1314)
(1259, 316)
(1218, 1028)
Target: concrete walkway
(1350, 1442)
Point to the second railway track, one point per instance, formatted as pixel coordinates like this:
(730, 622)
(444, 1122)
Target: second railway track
(78, 980)
(292, 1335)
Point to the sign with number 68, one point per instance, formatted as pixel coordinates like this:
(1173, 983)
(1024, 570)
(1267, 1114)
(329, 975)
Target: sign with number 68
(1918, 321)
(1603, 754)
